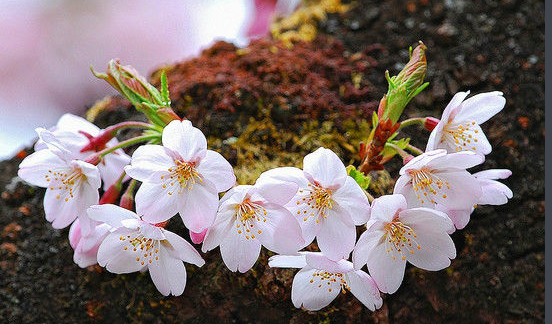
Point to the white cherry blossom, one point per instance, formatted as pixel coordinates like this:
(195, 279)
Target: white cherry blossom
(86, 247)
(69, 131)
(182, 176)
(135, 245)
(320, 280)
(328, 204)
(71, 185)
(459, 130)
(396, 234)
(251, 216)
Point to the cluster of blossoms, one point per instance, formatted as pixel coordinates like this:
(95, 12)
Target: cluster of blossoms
(285, 210)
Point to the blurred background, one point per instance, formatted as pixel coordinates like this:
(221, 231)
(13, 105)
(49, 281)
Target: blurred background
(47, 47)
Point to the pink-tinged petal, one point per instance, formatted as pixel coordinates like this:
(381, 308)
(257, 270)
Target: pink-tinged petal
(221, 228)
(74, 234)
(71, 141)
(325, 168)
(35, 167)
(313, 295)
(90, 171)
(215, 168)
(197, 238)
(367, 242)
(110, 214)
(430, 219)
(275, 191)
(309, 227)
(55, 145)
(494, 192)
(112, 168)
(352, 198)
(493, 174)
(182, 250)
(434, 140)
(149, 162)
(72, 123)
(456, 161)
(281, 232)
(386, 268)
(321, 262)
(464, 191)
(436, 248)
(154, 203)
(284, 174)
(168, 274)
(114, 257)
(59, 212)
(481, 107)
(460, 218)
(85, 259)
(94, 239)
(386, 207)
(239, 253)
(365, 289)
(337, 236)
(198, 205)
(235, 196)
(188, 141)
(422, 160)
(149, 231)
(452, 108)
(287, 261)
(436, 136)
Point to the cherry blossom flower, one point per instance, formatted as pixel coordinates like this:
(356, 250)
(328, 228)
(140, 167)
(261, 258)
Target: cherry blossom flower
(493, 193)
(459, 130)
(135, 245)
(328, 203)
(71, 185)
(439, 180)
(181, 176)
(86, 247)
(251, 216)
(396, 234)
(74, 132)
(320, 280)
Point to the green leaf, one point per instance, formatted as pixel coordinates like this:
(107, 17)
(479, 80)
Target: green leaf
(362, 180)
(389, 151)
(165, 89)
(374, 120)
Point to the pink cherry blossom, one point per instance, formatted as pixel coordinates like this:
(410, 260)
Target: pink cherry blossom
(135, 245)
(69, 131)
(71, 185)
(182, 176)
(251, 216)
(320, 280)
(459, 130)
(439, 180)
(86, 247)
(396, 234)
(328, 203)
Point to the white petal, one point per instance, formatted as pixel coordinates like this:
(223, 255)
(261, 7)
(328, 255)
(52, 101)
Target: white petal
(149, 231)
(337, 236)
(434, 140)
(110, 214)
(481, 107)
(198, 206)
(436, 248)
(35, 167)
(55, 145)
(365, 289)
(325, 167)
(313, 295)
(351, 197)
(368, 241)
(285, 174)
(275, 191)
(59, 212)
(319, 261)
(168, 274)
(453, 107)
(91, 172)
(188, 141)
(430, 219)
(287, 261)
(154, 203)
(460, 218)
(149, 162)
(494, 192)
(388, 272)
(183, 250)
(114, 257)
(281, 232)
(112, 167)
(464, 191)
(218, 232)
(386, 207)
(456, 161)
(493, 174)
(239, 253)
(72, 123)
(422, 160)
(216, 169)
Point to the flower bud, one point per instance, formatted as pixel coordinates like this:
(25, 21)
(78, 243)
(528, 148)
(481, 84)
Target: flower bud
(127, 201)
(430, 123)
(412, 75)
(167, 115)
(112, 193)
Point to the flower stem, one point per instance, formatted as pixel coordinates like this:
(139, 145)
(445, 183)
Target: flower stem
(370, 197)
(412, 121)
(414, 149)
(405, 156)
(128, 142)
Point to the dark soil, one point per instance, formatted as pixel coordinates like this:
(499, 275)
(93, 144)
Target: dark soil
(275, 102)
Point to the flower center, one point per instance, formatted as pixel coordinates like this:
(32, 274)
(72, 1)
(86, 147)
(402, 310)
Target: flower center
(400, 238)
(146, 248)
(316, 202)
(462, 136)
(427, 185)
(320, 277)
(247, 214)
(183, 175)
(65, 182)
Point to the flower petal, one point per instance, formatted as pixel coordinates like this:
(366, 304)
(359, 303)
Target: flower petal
(436, 247)
(365, 289)
(110, 214)
(494, 192)
(319, 261)
(168, 274)
(35, 167)
(385, 208)
(337, 236)
(188, 141)
(215, 168)
(285, 174)
(351, 197)
(456, 161)
(198, 206)
(493, 174)
(281, 232)
(366, 243)
(112, 255)
(154, 203)
(149, 162)
(313, 295)
(275, 191)
(238, 253)
(386, 269)
(73, 123)
(183, 250)
(325, 167)
(481, 107)
(218, 232)
(112, 168)
(288, 261)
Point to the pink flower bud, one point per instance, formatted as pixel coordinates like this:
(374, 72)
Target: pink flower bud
(111, 194)
(167, 115)
(430, 123)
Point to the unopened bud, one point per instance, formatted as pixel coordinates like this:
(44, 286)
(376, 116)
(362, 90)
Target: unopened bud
(167, 115)
(413, 74)
(112, 193)
(127, 201)
(430, 123)
(197, 238)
